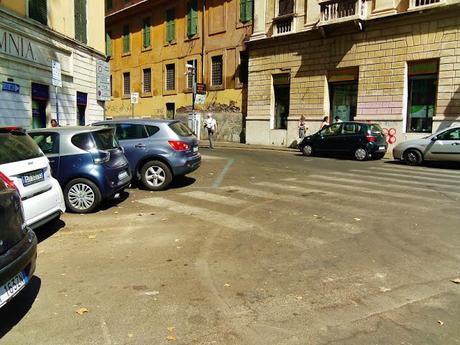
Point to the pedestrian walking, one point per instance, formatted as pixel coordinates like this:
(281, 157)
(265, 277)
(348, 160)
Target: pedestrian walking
(302, 127)
(54, 123)
(338, 119)
(324, 123)
(211, 125)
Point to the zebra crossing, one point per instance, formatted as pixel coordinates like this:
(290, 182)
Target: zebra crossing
(329, 205)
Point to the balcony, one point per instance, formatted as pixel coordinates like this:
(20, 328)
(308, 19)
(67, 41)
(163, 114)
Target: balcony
(333, 11)
(283, 24)
(416, 4)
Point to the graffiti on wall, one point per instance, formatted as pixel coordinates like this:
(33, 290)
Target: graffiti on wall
(390, 134)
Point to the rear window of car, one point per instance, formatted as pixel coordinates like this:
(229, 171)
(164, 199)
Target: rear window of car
(180, 129)
(48, 142)
(105, 139)
(151, 130)
(375, 129)
(83, 141)
(17, 146)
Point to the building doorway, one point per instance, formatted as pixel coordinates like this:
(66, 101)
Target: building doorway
(343, 89)
(82, 100)
(170, 110)
(40, 97)
(282, 90)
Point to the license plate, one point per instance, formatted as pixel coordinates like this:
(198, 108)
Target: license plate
(195, 149)
(122, 175)
(12, 287)
(382, 148)
(32, 177)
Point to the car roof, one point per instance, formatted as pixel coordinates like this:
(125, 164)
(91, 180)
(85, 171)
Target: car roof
(137, 121)
(358, 122)
(68, 130)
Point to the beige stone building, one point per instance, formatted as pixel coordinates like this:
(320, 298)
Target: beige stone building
(396, 62)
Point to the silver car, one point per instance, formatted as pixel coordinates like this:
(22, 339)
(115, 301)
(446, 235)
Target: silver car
(441, 146)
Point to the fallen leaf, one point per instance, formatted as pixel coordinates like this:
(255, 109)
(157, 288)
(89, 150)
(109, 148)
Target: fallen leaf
(171, 329)
(357, 219)
(227, 285)
(81, 311)
(164, 219)
(171, 338)
(441, 322)
(92, 237)
(456, 280)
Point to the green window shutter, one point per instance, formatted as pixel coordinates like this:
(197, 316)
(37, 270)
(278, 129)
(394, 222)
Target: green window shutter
(146, 33)
(38, 11)
(170, 25)
(108, 43)
(192, 18)
(126, 39)
(80, 20)
(249, 7)
(243, 11)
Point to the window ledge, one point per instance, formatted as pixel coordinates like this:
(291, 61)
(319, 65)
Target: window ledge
(244, 25)
(173, 42)
(147, 94)
(169, 92)
(126, 54)
(126, 96)
(216, 87)
(146, 49)
(192, 38)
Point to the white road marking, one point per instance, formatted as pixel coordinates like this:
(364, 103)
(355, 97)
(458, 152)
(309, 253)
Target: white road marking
(409, 176)
(225, 200)
(439, 173)
(422, 169)
(206, 157)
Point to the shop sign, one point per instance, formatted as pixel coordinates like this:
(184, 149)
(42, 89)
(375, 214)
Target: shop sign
(10, 87)
(103, 81)
(16, 45)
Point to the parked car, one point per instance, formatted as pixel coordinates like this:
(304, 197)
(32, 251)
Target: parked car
(22, 161)
(157, 150)
(441, 146)
(362, 140)
(18, 243)
(88, 163)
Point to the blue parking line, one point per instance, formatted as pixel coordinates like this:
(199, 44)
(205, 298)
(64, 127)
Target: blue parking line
(221, 176)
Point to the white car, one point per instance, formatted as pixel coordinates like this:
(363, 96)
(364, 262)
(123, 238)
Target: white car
(22, 161)
(441, 146)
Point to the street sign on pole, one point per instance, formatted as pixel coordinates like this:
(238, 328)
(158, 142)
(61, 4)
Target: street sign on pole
(134, 97)
(56, 79)
(103, 81)
(200, 98)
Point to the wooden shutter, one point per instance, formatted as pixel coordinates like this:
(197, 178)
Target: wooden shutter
(170, 25)
(38, 11)
(243, 15)
(108, 43)
(192, 18)
(126, 38)
(80, 20)
(146, 33)
(249, 6)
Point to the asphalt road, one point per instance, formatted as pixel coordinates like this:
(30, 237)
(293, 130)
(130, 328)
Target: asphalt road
(256, 247)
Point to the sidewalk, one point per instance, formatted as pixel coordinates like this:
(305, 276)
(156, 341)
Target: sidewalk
(227, 144)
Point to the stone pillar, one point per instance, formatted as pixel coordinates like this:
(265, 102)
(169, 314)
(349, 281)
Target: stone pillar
(259, 20)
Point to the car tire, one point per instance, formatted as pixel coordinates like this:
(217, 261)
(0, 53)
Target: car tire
(155, 175)
(307, 150)
(361, 154)
(82, 196)
(413, 157)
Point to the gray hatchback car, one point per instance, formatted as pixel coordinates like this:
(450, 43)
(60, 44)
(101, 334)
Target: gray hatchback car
(157, 150)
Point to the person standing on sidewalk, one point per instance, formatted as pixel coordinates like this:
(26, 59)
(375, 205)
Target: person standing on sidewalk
(302, 127)
(211, 125)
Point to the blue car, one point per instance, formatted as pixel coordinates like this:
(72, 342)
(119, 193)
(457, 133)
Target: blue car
(88, 163)
(157, 150)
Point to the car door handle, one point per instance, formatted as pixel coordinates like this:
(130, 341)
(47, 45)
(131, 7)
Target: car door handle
(139, 146)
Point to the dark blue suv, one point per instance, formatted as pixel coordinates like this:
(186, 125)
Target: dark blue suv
(157, 150)
(88, 162)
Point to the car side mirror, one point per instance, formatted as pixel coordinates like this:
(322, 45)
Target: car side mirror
(434, 138)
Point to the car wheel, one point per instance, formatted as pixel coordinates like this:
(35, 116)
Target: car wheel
(361, 154)
(156, 175)
(82, 196)
(413, 157)
(307, 150)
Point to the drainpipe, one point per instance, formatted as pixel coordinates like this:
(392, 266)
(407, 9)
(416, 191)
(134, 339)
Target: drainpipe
(203, 41)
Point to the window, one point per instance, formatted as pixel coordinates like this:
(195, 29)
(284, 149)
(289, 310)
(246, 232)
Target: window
(170, 77)
(331, 130)
(423, 80)
(246, 10)
(343, 91)
(146, 33)
(108, 5)
(282, 89)
(126, 45)
(151, 130)
(285, 7)
(170, 110)
(126, 131)
(452, 134)
(244, 67)
(181, 129)
(126, 84)
(48, 142)
(17, 146)
(192, 18)
(80, 21)
(216, 72)
(170, 25)
(351, 128)
(191, 76)
(38, 11)
(147, 80)
(108, 43)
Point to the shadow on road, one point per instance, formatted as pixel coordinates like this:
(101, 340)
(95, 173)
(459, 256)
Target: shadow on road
(181, 182)
(434, 165)
(16, 309)
(49, 229)
(115, 201)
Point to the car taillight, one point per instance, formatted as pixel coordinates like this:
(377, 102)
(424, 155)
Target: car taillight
(178, 145)
(7, 181)
(371, 138)
(104, 157)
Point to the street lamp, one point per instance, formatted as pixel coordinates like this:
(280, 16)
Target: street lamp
(191, 70)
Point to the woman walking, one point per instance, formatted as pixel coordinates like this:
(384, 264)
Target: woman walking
(324, 123)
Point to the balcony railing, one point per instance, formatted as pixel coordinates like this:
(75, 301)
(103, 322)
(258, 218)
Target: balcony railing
(284, 24)
(423, 3)
(339, 10)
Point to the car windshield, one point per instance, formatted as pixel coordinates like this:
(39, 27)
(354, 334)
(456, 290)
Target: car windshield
(17, 146)
(105, 139)
(180, 129)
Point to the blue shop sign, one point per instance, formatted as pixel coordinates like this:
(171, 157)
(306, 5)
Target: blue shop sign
(10, 87)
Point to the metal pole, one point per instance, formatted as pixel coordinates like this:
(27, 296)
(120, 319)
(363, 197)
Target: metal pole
(194, 122)
(57, 105)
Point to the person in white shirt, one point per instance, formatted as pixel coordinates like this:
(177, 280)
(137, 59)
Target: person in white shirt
(211, 125)
(338, 119)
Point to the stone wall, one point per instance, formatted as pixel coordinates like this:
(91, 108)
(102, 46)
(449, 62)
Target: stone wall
(381, 53)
